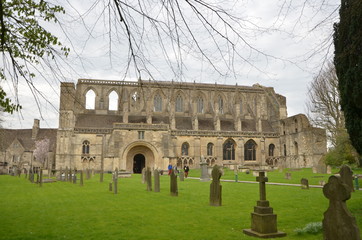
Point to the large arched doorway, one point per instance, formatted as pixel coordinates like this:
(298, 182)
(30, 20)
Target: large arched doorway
(138, 163)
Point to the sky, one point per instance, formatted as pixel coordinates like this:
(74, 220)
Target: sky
(278, 43)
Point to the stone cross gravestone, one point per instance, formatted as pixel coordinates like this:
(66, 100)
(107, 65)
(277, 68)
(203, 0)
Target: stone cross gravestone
(347, 176)
(204, 173)
(263, 220)
(182, 176)
(156, 175)
(173, 183)
(304, 183)
(149, 179)
(338, 222)
(215, 187)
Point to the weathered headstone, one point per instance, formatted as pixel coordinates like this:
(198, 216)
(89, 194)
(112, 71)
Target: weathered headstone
(41, 178)
(81, 178)
(110, 187)
(149, 178)
(156, 175)
(215, 187)
(143, 175)
(304, 183)
(88, 173)
(182, 176)
(288, 175)
(347, 176)
(263, 221)
(70, 179)
(115, 181)
(66, 174)
(173, 183)
(338, 222)
(75, 178)
(204, 173)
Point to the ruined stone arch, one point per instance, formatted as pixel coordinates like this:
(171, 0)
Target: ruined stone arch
(136, 100)
(109, 103)
(239, 98)
(179, 94)
(200, 102)
(220, 103)
(158, 95)
(93, 103)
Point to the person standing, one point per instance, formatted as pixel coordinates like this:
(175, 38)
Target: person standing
(169, 169)
(186, 169)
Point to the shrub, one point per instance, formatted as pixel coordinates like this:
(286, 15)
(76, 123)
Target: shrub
(310, 228)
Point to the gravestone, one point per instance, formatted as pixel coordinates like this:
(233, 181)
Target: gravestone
(304, 183)
(338, 222)
(148, 174)
(263, 220)
(41, 178)
(70, 178)
(115, 181)
(75, 178)
(182, 176)
(143, 175)
(215, 187)
(204, 173)
(88, 173)
(347, 176)
(81, 178)
(156, 175)
(288, 175)
(173, 183)
(66, 174)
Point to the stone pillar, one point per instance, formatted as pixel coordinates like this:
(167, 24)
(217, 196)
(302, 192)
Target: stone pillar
(173, 184)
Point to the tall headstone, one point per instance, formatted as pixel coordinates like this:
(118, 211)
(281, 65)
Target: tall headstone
(347, 176)
(263, 220)
(156, 175)
(110, 187)
(204, 173)
(115, 181)
(70, 179)
(88, 173)
(173, 183)
(149, 179)
(143, 175)
(338, 222)
(182, 176)
(81, 178)
(304, 183)
(215, 187)
(41, 178)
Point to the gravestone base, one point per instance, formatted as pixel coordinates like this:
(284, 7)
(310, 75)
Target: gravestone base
(263, 222)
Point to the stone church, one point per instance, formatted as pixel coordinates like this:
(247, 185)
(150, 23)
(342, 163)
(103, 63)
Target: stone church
(105, 125)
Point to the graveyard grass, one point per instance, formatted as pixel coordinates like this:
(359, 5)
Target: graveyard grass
(63, 210)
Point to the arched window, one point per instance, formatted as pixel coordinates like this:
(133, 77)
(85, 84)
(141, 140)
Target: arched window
(157, 102)
(179, 104)
(200, 105)
(229, 150)
(90, 100)
(221, 104)
(185, 149)
(113, 101)
(85, 147)
(250, 151)
(285, 150)
(296, 148)
(210, 147)
(271, 150)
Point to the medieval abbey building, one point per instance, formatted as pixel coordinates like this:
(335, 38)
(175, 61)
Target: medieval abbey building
(129, 125)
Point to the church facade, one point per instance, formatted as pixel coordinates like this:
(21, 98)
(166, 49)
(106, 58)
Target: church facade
(106, 125)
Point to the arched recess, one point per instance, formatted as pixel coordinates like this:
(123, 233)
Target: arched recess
(239, 101)
(220, 103)
(200, 103)
(136, 100)
(175, 98)
(146, 149)
(229, 147)
(250, 150)
(158, 97)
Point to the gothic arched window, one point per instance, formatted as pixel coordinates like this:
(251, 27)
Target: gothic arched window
(185, 149)
(179, 104)
(85, 147)
(90, 100)
(200, 105)
(229, 150)
(271, 150)
(113, 101)
(210, 147)
(250, 151)
(157, 102)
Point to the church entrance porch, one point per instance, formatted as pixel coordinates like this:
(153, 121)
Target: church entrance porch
(138, 156)
(138, 163)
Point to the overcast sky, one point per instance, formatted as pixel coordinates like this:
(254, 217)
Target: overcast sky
(289, 46)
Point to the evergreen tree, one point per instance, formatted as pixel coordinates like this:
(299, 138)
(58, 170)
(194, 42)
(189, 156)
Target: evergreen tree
(348, 63)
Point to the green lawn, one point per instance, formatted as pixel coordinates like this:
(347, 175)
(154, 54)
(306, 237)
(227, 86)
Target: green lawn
(63, 210)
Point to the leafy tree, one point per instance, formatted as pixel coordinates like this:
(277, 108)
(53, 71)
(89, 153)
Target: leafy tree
(348, 62)
(25, 43)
